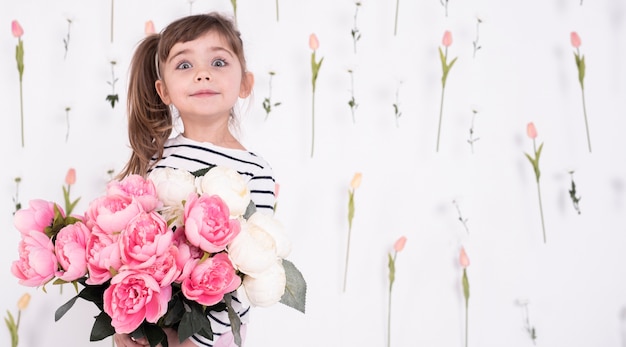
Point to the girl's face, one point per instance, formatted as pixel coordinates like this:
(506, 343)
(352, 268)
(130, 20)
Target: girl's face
(203, 79)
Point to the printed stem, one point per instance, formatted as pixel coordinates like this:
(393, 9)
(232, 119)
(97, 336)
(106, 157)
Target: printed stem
(440, 116)
(585, 114)
(22, 111)
(466, 320)
(345, 273)
(543, 227)
(313, 123)
(395, 28)
(277, 10)
(112, 15)
(389, 307)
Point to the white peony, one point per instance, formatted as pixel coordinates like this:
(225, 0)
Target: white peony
(172, 186)
(267, 288)
(253, 251)
(229, 185)
(275, 228)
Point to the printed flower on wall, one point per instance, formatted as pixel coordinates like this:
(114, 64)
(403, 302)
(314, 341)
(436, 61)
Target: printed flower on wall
(464, 262)
(531, 131)
(17, 31)
(234, 3)
(112, 19)
(352, 102)
(529, 328)
(580, 65)
(356, 34)
(66, 40)
(70, 180)
(148, 28)
(573, 194)
(445, 66)
(395, 26)
(277, 10)
(391, 263)
(113, 97)
(354, 184)
(14, 324)
(16, 198)
(267, 102)
(314, 44)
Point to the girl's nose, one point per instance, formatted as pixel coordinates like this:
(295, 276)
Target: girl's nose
(203, 75)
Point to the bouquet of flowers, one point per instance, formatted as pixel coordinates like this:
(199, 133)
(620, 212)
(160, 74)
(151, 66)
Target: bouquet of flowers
(161, 252)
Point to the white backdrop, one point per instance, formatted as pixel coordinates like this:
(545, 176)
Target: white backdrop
(524, 72)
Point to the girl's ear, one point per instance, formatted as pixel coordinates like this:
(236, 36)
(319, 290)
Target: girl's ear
(162, 91)
(247, 83)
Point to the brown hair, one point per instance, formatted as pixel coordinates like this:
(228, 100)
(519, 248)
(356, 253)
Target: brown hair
(149, 120)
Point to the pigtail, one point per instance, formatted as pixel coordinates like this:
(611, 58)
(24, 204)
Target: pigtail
(149, 119)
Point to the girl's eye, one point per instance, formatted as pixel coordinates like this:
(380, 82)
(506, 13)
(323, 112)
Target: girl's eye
(183, 66)
(219, 62)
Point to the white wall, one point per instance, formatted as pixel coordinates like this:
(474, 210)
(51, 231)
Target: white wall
(524, 72)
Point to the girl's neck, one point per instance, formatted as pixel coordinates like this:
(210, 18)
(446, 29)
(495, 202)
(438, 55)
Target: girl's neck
(218, 136)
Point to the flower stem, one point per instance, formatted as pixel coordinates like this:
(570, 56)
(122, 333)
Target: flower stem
(22, 112)
(466, 320)
(277, 10)
(112, 16)
(585, 114)
(345, 273)
(395, 28)
(389, 320)
(440, 115)
(543, 227)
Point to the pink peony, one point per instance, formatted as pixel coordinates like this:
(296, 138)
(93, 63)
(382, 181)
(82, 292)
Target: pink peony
(37, 217)
(70, 248)
(103, 254)
(137, 188)
(132, 297)
(111, 213)
(145, 238)
(37, 261)
(166, 268)
(210, 280)
(207, 223)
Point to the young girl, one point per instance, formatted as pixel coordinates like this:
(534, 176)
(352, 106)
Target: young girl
(196, 68)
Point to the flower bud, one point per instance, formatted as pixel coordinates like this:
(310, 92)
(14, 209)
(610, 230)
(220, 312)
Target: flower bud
(575, 39)
(149, 28)
(447, 39)
(356, 181)
(70, 177)
(399, 245)
(314, 42)
(16, 29)
(531, 131)
(464, 259)
(22, 303)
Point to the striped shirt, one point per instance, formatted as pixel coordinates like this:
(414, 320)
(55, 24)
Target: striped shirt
(182, 153)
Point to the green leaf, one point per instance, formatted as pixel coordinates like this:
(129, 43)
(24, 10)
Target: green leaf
(175, 311)
(194, 321)
(202, 172)
(295, 288)
(154, 334)
(61, 311)
(392, 269)
(102, 327)
(235, 321)
(250, 210)
(112, 98)
(350, 208)
(466, 292)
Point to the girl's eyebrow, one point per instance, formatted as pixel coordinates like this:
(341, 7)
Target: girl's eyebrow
(212, 49)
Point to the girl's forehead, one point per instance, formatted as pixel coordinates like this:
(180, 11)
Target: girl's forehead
(208, 40)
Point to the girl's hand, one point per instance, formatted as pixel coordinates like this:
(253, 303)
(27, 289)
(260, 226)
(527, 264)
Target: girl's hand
(124, 340)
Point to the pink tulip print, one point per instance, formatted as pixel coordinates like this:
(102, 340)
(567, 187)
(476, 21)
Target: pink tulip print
(464, 262)
(580, 65)
(445, 66)
(314, 44)
(354, 184)
(531, 131)
(17, 32)
(397, 248)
